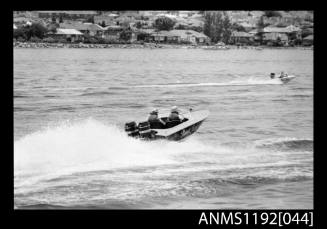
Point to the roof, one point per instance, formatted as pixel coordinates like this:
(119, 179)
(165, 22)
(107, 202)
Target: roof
(247, 25)
(146, 30)
(112, 27)
(186, 33)
(275, 30)
(241, 34)
(113, 15)
(255, 31)
(166, 15)
(310, 37)
(68, 32)
(163, 33)
(87, 12)
(81, 26)
(179, 33)
(288, 29)
(293, 28)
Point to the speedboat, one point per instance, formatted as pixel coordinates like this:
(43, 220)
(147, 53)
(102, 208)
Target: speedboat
(286, 78)
(173, 130)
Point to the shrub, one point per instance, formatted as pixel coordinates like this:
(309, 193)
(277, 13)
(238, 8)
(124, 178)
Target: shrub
(197, 28)
(281, 25)
(180, 26)
(90, 40)
(49, 40)
(20, 32)
(34, 39)
(139, 42)
(125, 35)
(164, 23)
(21, 39)
(61, 40)
(271, 13)
(36, 30)
(185, 42)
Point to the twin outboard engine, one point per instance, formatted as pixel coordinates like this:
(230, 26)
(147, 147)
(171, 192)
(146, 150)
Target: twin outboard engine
(142, 130)
(131, 129)
(145, 130)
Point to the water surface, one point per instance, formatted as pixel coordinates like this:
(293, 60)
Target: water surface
(254, 151)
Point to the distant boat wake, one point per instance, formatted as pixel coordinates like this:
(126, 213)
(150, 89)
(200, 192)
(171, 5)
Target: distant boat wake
(213, 84)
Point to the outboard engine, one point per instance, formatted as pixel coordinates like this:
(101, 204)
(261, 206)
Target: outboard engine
(145, 130)
(131, 129)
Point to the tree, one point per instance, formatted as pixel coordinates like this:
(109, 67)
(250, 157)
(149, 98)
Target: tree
(164, 23)
(227, 32)
(180, 26)
(261, 23)
(271, 13)
(103, 24)
(90, 20)
(61, 19)
(35, 30)
(125, 35)
(20, 32)
(238, 27)
(142, 36)
(138, 25)
(53, 19)
(217, 26)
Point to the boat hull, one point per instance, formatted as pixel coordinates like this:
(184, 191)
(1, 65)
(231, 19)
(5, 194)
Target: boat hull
(192, 122)
(179, 135)
(287, 79)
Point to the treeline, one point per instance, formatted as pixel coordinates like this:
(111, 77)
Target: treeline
(28, 32)
(217, 26)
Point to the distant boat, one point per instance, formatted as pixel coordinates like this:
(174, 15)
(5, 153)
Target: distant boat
(286, 79)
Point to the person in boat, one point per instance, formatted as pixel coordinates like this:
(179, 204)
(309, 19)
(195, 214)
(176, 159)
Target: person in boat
(282, 75)
(272, 75)
(174, 114)
(155, 121)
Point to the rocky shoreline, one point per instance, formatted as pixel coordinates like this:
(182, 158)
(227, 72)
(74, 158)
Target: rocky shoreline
(138, 46)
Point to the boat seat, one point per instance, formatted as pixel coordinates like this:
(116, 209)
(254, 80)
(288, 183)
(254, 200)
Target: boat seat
(172, 123)
(156, 125)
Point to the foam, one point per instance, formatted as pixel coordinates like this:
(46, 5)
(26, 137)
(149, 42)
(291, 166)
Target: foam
(90, 145)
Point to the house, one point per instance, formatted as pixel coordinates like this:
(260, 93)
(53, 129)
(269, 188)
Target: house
(294, 32)
(177, 36)
(67, 14)
(104, 18)
(112, 32)
(241, 38)
(247, 26)
(308, 40)
(284, 34)
(85, 28)
(275, 34)
(144, 34)
(161, 36)
(71, 35)
(256, 34)
(191, 36)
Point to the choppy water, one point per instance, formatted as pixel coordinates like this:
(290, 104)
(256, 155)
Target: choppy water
(254, 151)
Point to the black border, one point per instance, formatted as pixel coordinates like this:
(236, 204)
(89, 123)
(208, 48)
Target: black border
(145, 218)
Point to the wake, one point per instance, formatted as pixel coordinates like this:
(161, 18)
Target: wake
(248, 82)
